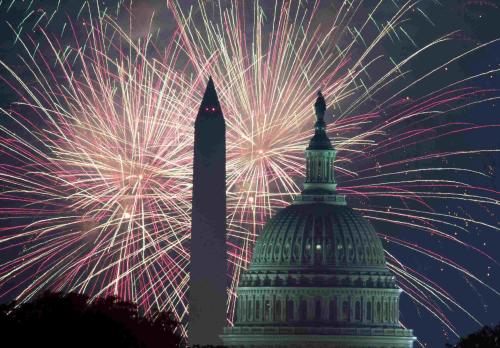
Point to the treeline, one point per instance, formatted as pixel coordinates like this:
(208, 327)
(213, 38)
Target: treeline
(72, 320)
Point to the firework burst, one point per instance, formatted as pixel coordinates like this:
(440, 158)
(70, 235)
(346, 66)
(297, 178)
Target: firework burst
(98, 170)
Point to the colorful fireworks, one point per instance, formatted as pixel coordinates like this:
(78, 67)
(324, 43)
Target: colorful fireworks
(97, 180)
(100, 177)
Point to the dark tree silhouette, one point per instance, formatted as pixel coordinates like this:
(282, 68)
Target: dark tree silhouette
(70, 320)
(487, 337)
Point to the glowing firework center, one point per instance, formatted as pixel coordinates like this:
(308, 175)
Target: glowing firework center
(318, 275)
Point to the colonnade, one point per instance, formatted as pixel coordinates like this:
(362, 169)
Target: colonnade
(269, 307)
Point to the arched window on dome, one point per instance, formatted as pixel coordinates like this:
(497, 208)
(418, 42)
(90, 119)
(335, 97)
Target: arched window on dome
(257, 310)
(332, 309)
(369, 311)
(391, 311)
(267, 310)
(303, 310)
(317, 245)
(330, 170)
(277, 310)
(289, 310)
(386, 311)
(379, 308)
(395, 312)
(357, 311)
(317, 309)
(249, 309)
(346, 311)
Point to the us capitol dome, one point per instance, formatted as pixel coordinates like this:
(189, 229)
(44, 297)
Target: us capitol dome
(318, 276)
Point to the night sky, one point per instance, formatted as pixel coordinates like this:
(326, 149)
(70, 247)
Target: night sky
(473, 24)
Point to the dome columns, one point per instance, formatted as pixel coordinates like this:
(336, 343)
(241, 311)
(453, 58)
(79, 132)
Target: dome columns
(319, 171)
(327, 306)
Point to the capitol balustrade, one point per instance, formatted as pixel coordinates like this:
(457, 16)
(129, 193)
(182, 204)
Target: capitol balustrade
(342, 331)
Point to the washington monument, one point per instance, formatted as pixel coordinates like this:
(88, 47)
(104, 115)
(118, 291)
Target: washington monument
(207, 297)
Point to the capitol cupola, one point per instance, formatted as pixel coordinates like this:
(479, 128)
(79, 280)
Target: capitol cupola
(318, 276)
(320, 182)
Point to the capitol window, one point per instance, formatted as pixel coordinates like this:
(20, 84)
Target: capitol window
(346, 311)
(317, 310)
(303, 310)
(277, 310)
(289, 310)
(267, 309)
(368, 310)
(333, 309)
(357, 311)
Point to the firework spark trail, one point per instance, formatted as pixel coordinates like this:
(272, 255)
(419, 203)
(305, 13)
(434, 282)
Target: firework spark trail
(267, 82)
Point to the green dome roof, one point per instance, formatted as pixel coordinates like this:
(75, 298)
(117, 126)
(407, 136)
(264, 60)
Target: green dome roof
(316, 236)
